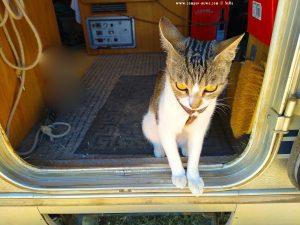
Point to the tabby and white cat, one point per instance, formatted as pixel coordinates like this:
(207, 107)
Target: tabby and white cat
(184, 100)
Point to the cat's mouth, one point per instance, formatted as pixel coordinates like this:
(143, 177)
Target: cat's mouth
(192, 111)
(185, 103)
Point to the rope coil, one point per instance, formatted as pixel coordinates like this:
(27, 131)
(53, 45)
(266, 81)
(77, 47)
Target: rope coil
(20, 66)
(47, 130)
(8, 12)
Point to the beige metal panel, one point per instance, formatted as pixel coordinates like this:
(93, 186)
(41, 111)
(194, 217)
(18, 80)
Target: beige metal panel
(275, 177)
(295, 121)
(21, 216)
(151, 199)
(7, 187)
(266, 214)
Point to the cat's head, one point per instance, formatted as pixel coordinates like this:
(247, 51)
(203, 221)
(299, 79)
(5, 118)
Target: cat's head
(197, 70)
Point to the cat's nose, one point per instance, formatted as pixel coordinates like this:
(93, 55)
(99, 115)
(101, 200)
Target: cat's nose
(195, 103)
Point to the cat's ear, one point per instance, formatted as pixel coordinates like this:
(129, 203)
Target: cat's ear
(171, 38)
(226, 50)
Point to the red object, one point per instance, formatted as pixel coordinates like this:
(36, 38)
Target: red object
(206, 12)
(261, 16)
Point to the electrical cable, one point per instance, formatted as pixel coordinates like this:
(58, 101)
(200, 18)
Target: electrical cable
(170, 11)
(19, 59)
(177, 25)
(21, 68)
(21, 74)
(6, 3)
(4, 19)
(188, 21)
(38, 40)
(47, 130)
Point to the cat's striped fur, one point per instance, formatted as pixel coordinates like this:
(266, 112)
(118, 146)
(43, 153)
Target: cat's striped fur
(181, 116)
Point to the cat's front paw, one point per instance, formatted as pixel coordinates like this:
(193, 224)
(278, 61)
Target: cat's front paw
(179, 180)
(196, 185)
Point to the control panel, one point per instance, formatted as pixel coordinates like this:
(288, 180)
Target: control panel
(111, 32)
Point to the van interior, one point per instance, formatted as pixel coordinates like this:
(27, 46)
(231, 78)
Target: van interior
(82, 105)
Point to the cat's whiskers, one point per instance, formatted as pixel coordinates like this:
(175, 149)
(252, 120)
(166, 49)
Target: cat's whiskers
(219, 109)
(221, 99)
(223, 104)
(222, 107)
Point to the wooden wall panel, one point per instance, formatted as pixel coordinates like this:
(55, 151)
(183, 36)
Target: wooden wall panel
(32, 105)
(147, 35)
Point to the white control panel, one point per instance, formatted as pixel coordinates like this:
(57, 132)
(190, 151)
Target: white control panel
(111, 32)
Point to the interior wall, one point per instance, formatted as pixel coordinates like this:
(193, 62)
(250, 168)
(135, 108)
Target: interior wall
(261, 50)
(31, 106)
(147, 34)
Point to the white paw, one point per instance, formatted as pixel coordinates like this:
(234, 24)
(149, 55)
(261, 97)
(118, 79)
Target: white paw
(159, 151)
(196, 185)
(184, 151)
(179, 180)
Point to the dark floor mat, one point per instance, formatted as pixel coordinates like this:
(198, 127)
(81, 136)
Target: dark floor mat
(98, 82)
(117, 127)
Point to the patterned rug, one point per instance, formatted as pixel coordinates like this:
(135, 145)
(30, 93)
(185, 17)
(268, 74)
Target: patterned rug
(117, 127)
(108, 119)
(98, 82)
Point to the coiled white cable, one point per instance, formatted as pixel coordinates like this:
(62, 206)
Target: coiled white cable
(6, 3)
(19, 59)
(4, 19)
(21, 66)
(22, 13)
(47, 130)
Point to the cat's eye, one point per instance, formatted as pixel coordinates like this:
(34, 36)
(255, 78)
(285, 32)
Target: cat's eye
(181, 86)
(211, 88)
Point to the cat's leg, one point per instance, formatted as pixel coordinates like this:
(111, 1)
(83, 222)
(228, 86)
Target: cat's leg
(196, 134)
(150, 131)
(195, 182)
(168, 141)
(164, 139)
